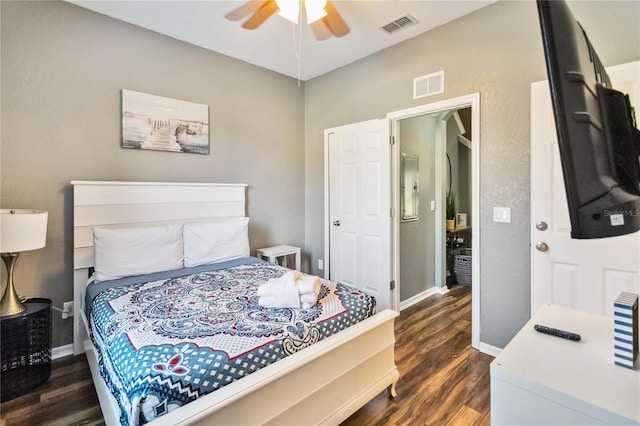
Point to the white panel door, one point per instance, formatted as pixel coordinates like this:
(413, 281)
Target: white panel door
(581, 274)
(359, 207)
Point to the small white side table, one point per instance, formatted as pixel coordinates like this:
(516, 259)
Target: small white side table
(272, 254)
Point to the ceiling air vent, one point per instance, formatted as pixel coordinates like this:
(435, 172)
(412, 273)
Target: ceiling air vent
(398, 24)
(427, 85)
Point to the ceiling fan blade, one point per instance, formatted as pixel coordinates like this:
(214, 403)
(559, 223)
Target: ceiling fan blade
(267, 9)
(320, 30)
(334, 21)
(245, 10)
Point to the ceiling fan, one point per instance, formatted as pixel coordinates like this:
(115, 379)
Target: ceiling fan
(322, 16)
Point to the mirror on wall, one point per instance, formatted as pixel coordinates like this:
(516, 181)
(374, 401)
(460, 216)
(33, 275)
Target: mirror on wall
(409, 186)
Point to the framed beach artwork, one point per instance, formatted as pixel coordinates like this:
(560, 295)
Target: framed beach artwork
(164, 124)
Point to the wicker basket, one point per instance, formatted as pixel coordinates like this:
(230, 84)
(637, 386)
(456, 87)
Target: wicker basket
(462, 268)
(463, 251)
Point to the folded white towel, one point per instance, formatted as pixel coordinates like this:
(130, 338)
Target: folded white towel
(308, 298)
(307, 301)
(267, 301)
(283, 292)
(272, 286)
(308, 284)
(291, 290)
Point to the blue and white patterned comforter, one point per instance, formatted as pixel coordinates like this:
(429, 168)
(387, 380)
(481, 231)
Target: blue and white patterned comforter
(167, 342)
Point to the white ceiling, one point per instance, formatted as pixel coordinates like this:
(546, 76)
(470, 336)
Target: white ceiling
(271, 46)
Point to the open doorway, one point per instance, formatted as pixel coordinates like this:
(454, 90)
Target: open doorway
(456, 125)
(422, 177)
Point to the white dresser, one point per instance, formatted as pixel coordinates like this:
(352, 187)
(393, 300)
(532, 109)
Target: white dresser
(540, 379)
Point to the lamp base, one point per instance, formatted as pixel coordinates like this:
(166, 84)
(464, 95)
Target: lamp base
(11, 303)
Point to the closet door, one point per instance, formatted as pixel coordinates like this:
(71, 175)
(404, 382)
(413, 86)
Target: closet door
(359, 219)
(583, 274)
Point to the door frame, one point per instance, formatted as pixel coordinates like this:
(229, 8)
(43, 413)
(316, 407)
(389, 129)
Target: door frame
(473, 101)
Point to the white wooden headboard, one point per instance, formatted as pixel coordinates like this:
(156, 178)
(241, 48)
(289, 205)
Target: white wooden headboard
(112, 203)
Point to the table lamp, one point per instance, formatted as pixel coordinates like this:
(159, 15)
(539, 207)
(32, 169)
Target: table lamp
(20, 230)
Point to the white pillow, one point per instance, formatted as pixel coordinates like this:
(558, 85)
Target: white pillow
(215, 240)
(127, 250)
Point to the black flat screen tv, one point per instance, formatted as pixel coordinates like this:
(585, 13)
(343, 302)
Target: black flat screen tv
(597, 132)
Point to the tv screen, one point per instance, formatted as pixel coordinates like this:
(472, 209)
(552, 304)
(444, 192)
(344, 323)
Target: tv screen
(597, 133)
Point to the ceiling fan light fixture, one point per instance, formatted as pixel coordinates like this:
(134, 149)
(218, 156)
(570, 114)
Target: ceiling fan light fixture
(315, 10)
(323, 18)
(289, 9)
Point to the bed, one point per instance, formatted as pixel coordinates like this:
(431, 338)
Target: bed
(319, 383)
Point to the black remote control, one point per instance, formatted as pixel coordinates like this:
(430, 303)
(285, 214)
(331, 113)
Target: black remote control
(558, 333)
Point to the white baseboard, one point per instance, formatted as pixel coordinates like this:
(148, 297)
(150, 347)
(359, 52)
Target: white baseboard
(489, 349)
(62, 351)
(442, 290)
(417, 298)
(421, 296)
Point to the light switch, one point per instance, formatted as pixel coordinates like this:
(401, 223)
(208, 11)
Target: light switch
(502, 214)
(433, 206)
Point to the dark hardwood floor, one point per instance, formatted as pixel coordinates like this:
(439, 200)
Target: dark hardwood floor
(443, 380)
(67, 398)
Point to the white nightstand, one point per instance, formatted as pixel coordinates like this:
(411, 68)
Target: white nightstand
(272, 254)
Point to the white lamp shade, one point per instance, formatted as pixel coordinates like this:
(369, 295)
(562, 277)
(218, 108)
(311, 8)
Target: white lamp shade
(22, 230)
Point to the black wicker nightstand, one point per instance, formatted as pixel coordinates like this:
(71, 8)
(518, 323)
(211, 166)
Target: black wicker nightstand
(26, 349)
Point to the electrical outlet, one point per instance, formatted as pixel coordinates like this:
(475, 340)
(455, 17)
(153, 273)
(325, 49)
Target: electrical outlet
(320, 264)
(67, 310)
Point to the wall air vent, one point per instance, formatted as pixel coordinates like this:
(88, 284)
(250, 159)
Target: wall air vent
(398, 24)
(427, 85)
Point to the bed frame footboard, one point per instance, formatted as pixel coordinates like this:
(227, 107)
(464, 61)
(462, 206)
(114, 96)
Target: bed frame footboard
(322, 384)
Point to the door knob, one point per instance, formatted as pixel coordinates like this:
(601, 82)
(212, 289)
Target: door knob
(542, 226)
(336, 223)
(542, 246)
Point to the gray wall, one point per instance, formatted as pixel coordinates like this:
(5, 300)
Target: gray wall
(497, 52)
(62, 71)
(417, 238)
